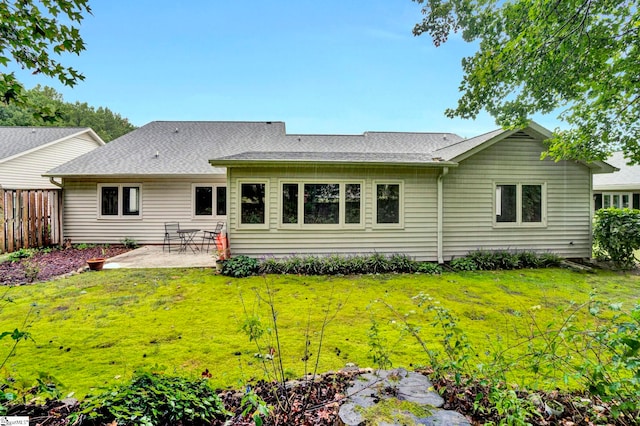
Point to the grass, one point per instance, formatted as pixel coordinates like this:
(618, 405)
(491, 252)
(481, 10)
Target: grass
(95, 329)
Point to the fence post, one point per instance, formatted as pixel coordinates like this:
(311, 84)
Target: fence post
(3, 241)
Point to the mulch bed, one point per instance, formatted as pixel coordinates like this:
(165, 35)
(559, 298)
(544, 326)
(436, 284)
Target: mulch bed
(44, 266)
(317, 402)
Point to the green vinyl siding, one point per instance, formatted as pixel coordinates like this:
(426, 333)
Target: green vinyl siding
(417, 236)
(469, 197)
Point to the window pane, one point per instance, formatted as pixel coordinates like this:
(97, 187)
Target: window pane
(290, 203)
(625, 201)
(322, 203)
(505, 203)
(616, 201)
(388, 203)
(352, 203)
(109, 200)
(607, 201)
(531, 203)
(204, 200)
(221, 201)
(636, 201)
(252, 204)
(130, 201)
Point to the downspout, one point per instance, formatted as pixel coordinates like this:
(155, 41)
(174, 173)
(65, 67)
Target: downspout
(60, 208)
(52, 180)
(445, 171)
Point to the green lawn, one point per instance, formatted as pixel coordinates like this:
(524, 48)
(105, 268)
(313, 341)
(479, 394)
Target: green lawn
(95, 329)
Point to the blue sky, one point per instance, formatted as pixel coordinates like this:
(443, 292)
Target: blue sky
(333, 66)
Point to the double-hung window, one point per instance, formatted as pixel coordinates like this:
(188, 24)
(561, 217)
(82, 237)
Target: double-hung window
(209, 200)
(119, 200)
(520, 204)
(322, 205)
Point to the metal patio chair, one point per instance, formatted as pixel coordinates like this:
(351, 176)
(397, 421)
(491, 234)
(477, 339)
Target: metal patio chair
(210, 236)
(171, 234)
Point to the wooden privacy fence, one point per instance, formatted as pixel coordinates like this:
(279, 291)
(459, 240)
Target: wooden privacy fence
(29, 218)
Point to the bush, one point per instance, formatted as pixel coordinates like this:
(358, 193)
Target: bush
(23, 253)
(616, 235)
(154, 399)
(463, 264)
(240, 267)
(428, 268)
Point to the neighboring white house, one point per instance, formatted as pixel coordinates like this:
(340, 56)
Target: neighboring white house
(620, 189)
(432, 196)
(27, 152)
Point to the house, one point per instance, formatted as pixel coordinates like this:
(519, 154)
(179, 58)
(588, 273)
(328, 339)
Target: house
(433, 196)
(27, 152)
(620, 189)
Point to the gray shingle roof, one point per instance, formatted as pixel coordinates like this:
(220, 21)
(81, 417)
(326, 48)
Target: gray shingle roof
(184, 147)
(627, 178)
(453, 150)
(16, 140)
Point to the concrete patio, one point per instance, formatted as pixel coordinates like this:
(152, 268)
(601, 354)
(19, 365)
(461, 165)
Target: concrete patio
(154, 257)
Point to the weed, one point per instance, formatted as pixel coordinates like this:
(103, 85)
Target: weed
(378, 347)
(31, 270)
(129, 243)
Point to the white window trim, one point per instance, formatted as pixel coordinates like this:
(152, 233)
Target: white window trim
(214, 187)
(519, 223)
(610, 194)
(119, 216)
(267, 196)
(374, 197)
(342, 204)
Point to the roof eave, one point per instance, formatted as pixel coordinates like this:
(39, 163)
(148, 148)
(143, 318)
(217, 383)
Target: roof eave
(253, 163)
(88, 130)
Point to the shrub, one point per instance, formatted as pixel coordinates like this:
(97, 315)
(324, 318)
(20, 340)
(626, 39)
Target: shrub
(240, 267)
(549, 260)
(23, 253)
(377, 263)
(429, 268)
(616, 235)
(402, 263)
(463, 264)
(154, 399)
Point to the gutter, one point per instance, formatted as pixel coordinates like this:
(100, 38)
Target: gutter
(440, 213)
(52, 180)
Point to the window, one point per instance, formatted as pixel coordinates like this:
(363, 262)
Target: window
(618, 200)
(519, 204)
(252, 203)
(322, 204)
(290, 203)
(208, 199)
(119, 200)
(388, 207)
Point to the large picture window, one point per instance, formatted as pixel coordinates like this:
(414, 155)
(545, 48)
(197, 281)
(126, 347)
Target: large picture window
(519, 204)
(252, 203)
(322, 204)
(119, 200)
(209, 200)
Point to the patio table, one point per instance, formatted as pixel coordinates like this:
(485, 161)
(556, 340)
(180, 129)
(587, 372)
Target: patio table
(186, 239)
